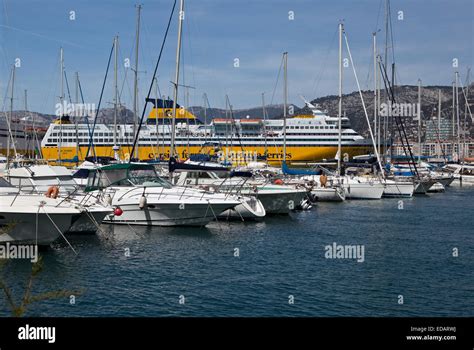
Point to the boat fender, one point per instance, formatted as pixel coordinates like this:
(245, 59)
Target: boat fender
(323, 179)
(108, 199)
(278, 182)
(142, 203)
(118, 211)
(52, 192)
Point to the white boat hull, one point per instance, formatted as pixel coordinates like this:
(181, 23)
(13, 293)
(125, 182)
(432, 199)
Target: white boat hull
(249, 209)
(424, 186)
(437, 187)
(173, 214)
(32, 228)
(88, 220)
(465, 180)
(356, 189)
(280, 202)
(328, 194)
(398, 189)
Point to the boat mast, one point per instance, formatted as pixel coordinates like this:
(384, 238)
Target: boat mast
(468, 75)
(77, 117)
(378, 84)
(458, 133)
(439, 122)
(264, 124)
(7, 165)
(116, 97)
(339, 112)
(226, 123)
(135, 90)
(24, 125)
(453, 117)
(204, 97)
(176, 77)
(374, 35)
(385, 119)
(156, 115)
(186, 106)
(285, 103)
(419, 121)
(61, 101)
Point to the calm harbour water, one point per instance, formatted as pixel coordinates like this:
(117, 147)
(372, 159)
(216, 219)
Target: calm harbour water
(407, 252)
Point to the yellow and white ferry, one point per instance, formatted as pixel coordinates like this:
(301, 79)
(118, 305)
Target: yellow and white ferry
(309, 138)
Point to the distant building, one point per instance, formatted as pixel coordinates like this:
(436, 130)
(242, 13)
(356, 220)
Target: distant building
(445, 131)
(446, 149)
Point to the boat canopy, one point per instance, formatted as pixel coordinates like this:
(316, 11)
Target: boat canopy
(125, 174)
(174, 166)
(288, 171)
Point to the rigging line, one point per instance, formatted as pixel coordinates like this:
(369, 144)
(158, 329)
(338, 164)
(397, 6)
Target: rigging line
(8, 120)
(378, 15)
(318, 78)
(363, 105)
(210, 108)
(276, 84)
(392, 46)
(369, 67)
(67, 87)
(234, 126)
(82, 99)
(151, 84)
(64, 42)
(398, 120)
(466, 101)
(50, 91)
(145, 47)
(91, 138)
(188, 39)
(125, 82)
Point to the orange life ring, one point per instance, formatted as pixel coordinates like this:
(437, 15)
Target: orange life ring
(52, 192)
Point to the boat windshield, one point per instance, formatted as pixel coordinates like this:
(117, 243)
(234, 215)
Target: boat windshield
(4, 183)
(123, 176)
(147, 177)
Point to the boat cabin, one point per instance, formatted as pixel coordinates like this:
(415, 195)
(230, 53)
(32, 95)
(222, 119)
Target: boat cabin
(125, 175)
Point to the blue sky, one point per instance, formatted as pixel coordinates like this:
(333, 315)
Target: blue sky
(218, 31)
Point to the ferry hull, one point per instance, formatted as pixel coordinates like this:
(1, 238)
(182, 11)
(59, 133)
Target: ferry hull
(237, 154)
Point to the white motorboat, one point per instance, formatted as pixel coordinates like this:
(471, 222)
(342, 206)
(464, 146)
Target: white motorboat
(331, 191)
(250, 208)
(146, 199)
(328, 194)
(398, 188)
(423, 185)
(276, 198)
(362, 187)
(436, 188)
(197, 174)
(463, 174)
(32, 219)
(39, 179)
